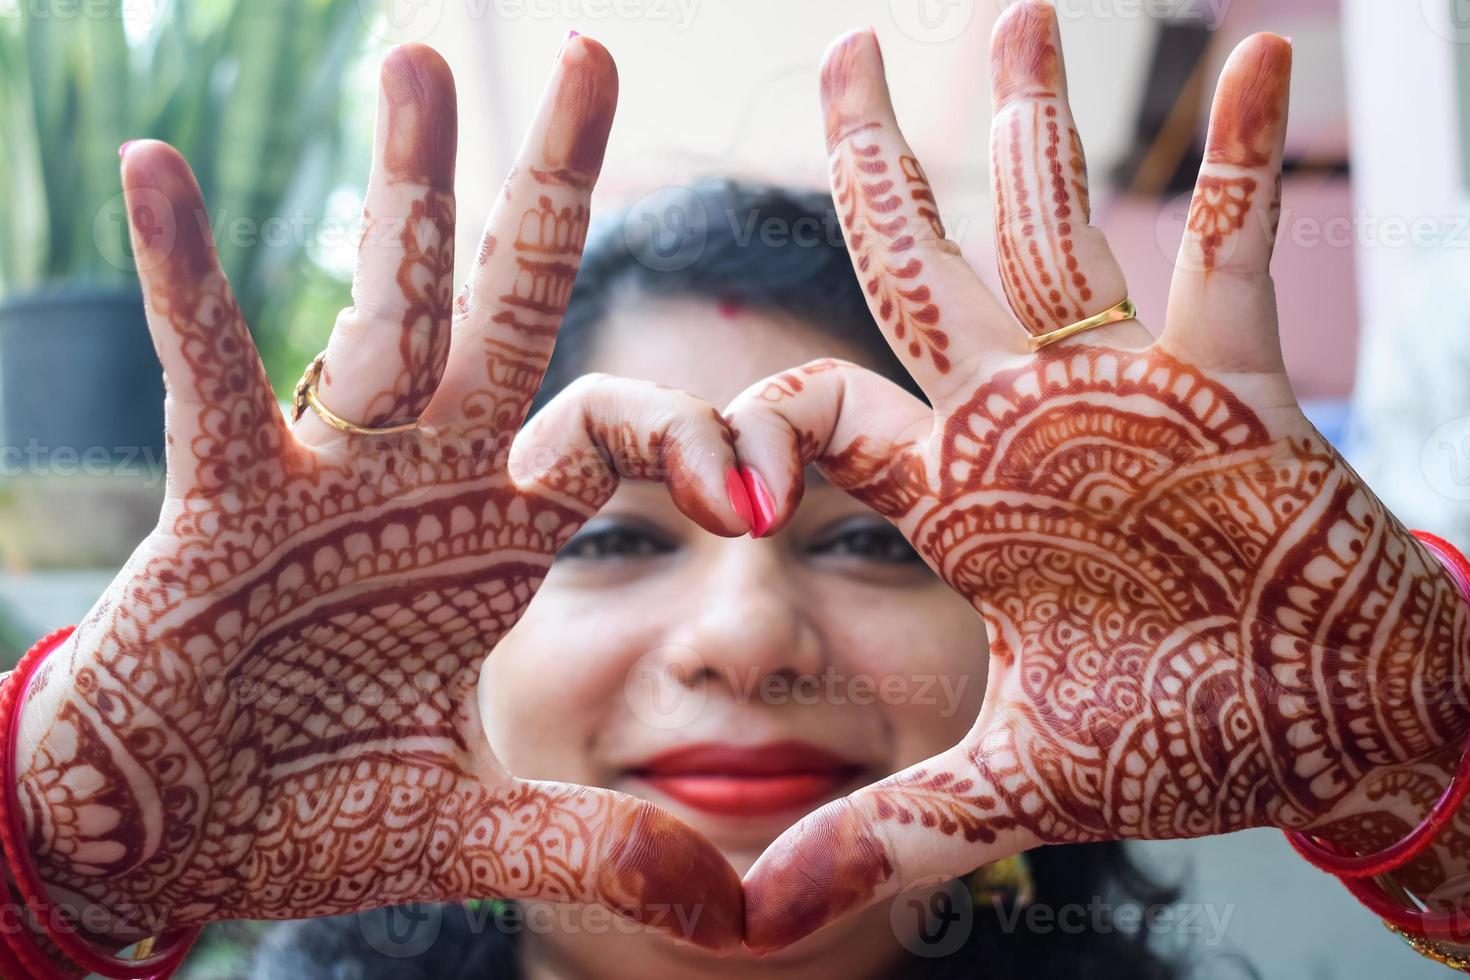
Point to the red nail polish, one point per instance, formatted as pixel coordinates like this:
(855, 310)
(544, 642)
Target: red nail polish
(121, 150)
(762, 504)
(739, 499)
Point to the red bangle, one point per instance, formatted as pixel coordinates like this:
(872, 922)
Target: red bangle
(1449, 927)
(172, 946)
(1333, 859)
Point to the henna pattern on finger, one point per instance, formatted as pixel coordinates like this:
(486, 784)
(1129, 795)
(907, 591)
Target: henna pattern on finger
(879, 237)
(887, 208)
(1035, 232)
(424, 281)
(1219, 210)
(547, 245)
(1246, 122)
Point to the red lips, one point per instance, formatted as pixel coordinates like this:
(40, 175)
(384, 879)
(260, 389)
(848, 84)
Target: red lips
(748, 781)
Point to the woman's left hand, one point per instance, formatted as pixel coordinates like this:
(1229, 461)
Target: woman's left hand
(1200, 618)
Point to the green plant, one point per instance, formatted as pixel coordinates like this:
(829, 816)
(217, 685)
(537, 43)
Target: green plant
(251, 92)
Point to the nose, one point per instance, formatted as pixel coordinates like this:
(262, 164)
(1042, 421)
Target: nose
(750, 618)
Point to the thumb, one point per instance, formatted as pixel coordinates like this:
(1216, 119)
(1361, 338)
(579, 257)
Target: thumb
(945, 816)
(563, 843)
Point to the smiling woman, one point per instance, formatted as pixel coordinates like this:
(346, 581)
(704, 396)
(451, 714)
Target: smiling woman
(738, 684)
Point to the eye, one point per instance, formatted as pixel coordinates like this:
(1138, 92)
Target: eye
(611, 538)
(866, 538)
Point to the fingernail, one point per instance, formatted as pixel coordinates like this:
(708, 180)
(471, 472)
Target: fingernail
(762, 504)
(122, 150)
(570, 35)
(739, 499)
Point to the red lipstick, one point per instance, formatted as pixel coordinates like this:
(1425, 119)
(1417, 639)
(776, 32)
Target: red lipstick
(748, 781)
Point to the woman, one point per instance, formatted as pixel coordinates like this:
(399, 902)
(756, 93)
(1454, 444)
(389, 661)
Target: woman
(677, 652)
(1199, 619)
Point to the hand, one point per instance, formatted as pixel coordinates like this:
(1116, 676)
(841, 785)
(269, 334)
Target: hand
(272, 712)
(1199, 618)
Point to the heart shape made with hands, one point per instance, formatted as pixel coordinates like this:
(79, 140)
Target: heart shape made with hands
(1171, 563)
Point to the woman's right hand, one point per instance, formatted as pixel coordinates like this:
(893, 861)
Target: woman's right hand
(271, 713)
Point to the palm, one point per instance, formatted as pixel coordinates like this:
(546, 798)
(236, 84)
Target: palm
(1154, 570)
(1199, 618)
(275, 705)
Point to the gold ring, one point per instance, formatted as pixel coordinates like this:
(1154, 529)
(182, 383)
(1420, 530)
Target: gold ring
(1113, 314)
(305, 396)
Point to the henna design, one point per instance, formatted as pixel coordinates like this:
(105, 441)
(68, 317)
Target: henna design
(1219, 210)
(1034, 224)
(272, 714)
(1209, 626)
(878, 235)
(424, 279)
(541, 290)
(280, 721)
(940, 801)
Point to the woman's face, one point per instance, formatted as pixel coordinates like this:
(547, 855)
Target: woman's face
(738, 683)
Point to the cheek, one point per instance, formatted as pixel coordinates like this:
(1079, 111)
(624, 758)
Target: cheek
(551, 686)
(925, 658)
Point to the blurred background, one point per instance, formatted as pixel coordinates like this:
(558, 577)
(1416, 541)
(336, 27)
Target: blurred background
(272, 101)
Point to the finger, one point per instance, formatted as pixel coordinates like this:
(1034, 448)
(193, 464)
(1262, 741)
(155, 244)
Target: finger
(935, 312)
(863, 431)
(1222, 305)
(563, 843)
(602, 429)
(387, 350)
(507, 317)
(222, 418)
(942, 818)
(1055, 266)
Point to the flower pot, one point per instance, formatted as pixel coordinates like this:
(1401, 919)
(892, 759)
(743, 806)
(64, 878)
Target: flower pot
(81, 416)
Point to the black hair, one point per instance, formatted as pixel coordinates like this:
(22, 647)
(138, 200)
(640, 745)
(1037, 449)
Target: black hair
(777, 250)
(773, 249)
